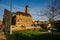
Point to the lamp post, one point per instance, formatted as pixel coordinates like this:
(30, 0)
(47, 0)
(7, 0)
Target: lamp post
(10, 16)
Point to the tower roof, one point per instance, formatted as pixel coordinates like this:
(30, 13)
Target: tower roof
(27, 6)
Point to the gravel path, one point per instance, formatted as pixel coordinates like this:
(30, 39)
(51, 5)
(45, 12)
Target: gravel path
(2, 36)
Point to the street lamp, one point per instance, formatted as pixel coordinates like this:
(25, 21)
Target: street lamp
(10, 16)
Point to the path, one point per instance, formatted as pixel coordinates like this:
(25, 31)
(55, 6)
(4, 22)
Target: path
(54, 33)
(2, 36)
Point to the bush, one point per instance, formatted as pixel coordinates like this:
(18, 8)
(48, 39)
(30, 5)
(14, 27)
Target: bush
(28, 35)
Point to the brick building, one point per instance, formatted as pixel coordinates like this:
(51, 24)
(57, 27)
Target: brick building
(18, 18)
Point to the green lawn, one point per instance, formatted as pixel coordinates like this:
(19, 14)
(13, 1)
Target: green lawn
(31, 35)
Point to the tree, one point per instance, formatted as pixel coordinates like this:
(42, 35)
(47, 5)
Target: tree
(52, 12)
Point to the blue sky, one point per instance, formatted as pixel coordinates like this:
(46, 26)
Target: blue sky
(35, 6)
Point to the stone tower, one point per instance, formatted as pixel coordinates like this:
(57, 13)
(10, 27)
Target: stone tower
(27, 9)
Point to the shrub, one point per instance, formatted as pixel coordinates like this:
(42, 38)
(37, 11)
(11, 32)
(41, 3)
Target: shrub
(28, 35)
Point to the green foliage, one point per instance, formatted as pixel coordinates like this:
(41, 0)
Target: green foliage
(28, 35)
(44, 26)
(56, 26)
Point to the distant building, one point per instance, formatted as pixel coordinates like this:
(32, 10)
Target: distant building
(0, 22)
(18, 18)
(37, 22)
(6, 17)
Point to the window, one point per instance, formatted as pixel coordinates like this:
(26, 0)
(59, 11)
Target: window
(27, 20)
(20, 20)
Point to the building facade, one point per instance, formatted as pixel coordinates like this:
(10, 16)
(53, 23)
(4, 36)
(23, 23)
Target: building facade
(6, 17)
(18, 18)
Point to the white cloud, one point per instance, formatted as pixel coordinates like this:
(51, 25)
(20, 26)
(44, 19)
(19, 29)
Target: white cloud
(17, 8)
(2, 7)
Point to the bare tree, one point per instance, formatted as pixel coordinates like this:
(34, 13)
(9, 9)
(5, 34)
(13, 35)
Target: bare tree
(53, 10)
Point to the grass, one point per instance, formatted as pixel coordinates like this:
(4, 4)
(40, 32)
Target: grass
(31, 35)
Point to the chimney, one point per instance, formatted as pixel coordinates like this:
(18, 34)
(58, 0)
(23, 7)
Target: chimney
(27, 9)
